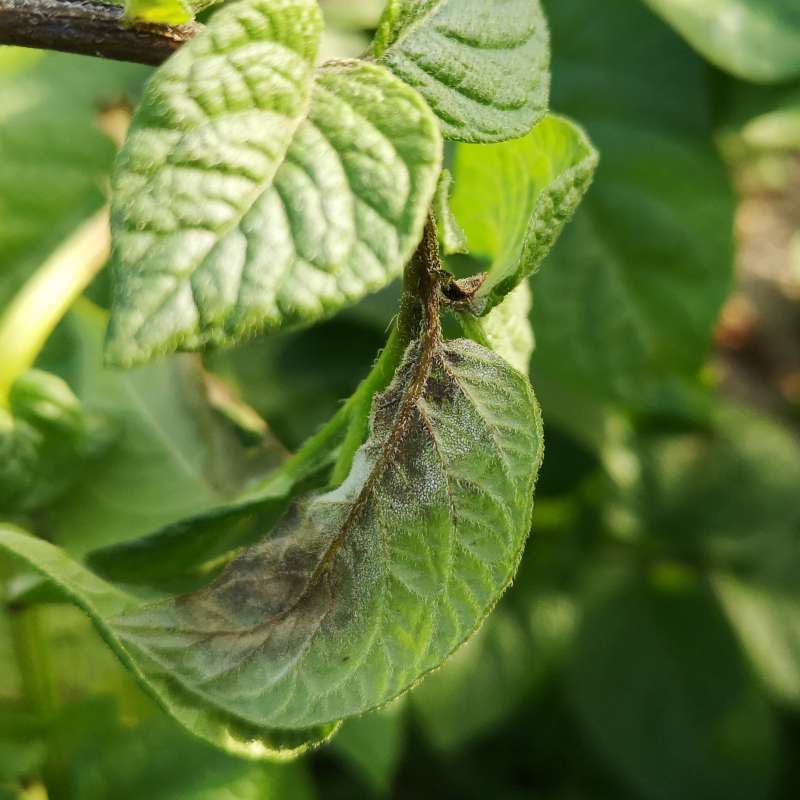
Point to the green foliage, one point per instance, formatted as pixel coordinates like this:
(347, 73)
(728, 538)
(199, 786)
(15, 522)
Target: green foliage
(284, 219)
(481, 68)
(754, 39)
(213, 562)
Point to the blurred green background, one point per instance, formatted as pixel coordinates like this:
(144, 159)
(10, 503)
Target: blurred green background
(650, 646)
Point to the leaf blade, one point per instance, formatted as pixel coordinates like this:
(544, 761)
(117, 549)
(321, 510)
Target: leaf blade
(483, 68)
(299, 629)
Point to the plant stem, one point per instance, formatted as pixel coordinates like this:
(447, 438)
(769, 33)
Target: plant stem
(39, 685)
(41, 303)
(88, 27)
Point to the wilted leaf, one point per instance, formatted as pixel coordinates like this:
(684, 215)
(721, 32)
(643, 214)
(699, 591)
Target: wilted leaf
(361, 591)
(513, 199)
(482, 67)
(234, 213)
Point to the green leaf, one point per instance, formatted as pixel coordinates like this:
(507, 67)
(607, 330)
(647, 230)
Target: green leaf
(482, 67)
(103, 603)
(452, 238)
(508, 328)
(635, 284)
(45, 436)
(55, 157)
(172, 456)
(372, 745)
(165, 12)
(758, 40)
(513, 199)
(660, 687)
(101, 753)
(298, 217)
(377, 582)
(728, 497)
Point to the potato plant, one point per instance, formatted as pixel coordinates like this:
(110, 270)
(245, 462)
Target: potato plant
(283, 284)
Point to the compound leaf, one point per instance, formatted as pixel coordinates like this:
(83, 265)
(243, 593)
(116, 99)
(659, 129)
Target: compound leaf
(102, 602)
(482, 67)
(758, 40)
(514, 198)
(360, 591)
(250, 216)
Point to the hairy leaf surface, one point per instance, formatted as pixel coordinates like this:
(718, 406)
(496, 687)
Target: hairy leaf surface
(508, 328)
(482, 66)
(758, 40)
(362, 590)
(513, 199)
(252, 216)
(102, 602)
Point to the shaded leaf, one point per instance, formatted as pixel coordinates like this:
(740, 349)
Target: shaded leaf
(636, 282)
(55, 157)
(360, 591)
(513, 200)
(758, 40)
(452, 238)
(482, 67)
(660, 687)
(372, 745)
(45, 436)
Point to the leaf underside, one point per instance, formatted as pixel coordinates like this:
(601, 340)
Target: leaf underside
(239, 208)
(482, 67)
(361, 591)
(513, 200)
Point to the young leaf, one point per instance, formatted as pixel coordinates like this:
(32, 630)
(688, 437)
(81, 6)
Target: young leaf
(165, 12)
(361, 591)
(300, 217)
(482, 67)
(514, 198)
(508, 328)
(102, 603)
(451, 237)
(758, 40)
(45, 436)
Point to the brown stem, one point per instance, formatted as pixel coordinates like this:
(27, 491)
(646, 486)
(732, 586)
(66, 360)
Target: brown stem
(88, 28)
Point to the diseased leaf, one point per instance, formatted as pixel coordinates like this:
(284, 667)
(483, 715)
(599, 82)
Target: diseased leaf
(513, 200)
(103, 602)
(250, 217)
(758, 40)
(482, 67)
(361, 591)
